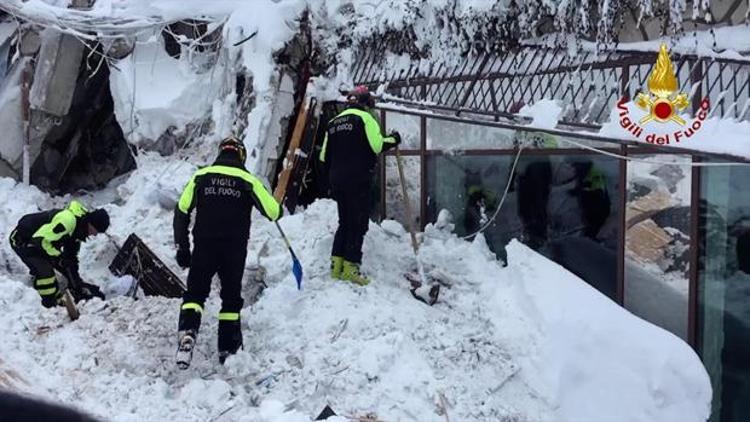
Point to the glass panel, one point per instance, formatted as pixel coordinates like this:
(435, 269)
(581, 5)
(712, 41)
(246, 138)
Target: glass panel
(470, 188)
(395, 207)
(561, 205)
(724, 289)
(407, 126)
(447, 135)
(657, 221)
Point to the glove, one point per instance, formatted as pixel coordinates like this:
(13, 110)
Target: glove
(85, 291)
(89, 290)
(183, 257)
(397, 137)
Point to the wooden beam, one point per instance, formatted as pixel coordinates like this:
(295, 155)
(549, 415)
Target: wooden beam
(289, 157)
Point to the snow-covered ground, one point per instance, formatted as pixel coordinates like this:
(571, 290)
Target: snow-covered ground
(529, 342)
(526, 342)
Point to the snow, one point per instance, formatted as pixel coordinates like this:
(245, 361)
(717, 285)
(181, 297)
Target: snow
(529, 341)
(526, 342)
(544, 113)
(729, 42)
(716, 135)
(154, 92)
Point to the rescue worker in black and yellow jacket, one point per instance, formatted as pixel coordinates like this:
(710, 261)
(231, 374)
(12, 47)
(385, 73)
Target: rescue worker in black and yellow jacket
(223, 196)
(50, 240)
(593, 197)
(352, 142)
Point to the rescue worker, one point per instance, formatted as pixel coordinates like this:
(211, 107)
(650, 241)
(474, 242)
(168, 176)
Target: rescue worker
(50, 240)
(352, 142)
(481, 204)
(223, 196)
(593, 197)
(533, 198)
(534, 187)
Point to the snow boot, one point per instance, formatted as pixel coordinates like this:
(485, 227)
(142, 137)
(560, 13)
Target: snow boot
(185, 346)
(337, 264)
(350, 272)
(230, 337)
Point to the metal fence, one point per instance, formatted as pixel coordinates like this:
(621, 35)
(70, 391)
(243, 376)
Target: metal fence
(586, 83)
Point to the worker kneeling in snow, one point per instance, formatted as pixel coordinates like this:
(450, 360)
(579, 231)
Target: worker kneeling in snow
(352, 142)
(223, 196)
(50, 240)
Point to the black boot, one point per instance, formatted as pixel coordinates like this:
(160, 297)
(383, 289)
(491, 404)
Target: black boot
(190, 319)
(230, 338)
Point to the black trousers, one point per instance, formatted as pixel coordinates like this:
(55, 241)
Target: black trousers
(41, 267)
(595, 208)
(225, 257)
(354, 203)
(533, 196)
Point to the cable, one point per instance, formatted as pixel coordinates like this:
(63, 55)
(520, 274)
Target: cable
(639, 160)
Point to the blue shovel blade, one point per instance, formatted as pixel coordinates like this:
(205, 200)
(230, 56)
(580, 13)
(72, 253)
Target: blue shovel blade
(297, 271)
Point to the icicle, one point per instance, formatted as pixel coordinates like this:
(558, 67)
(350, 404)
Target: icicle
(646, 10)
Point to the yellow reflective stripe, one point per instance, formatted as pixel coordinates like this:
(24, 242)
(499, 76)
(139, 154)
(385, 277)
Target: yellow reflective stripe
(270, 206)
(47, 292)
(47, 232)
(194, 306)
(229, 316)
(267, 201)
(45, 281)
(596, 180)
(322, 156)
(372, 129)
(77, 208)
(186, 199)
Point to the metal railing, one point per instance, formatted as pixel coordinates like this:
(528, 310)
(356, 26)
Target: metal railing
(586, 83)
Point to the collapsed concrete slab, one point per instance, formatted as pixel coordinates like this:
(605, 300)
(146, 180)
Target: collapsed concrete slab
(56, 72)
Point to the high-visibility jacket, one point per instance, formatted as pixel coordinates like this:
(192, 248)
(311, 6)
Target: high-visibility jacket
(352, 142)
(56, 232)
(223, 196)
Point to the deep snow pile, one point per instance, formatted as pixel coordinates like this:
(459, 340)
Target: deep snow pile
(529, 342)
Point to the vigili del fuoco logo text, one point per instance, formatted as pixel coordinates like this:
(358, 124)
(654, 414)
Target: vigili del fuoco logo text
(662, 104)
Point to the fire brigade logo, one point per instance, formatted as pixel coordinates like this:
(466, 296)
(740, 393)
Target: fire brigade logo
(662, 103)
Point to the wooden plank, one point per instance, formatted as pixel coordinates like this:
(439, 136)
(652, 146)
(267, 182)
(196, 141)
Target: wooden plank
(303, 157)
(289, 158)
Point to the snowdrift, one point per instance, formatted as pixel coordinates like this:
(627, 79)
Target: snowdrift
(528, 342)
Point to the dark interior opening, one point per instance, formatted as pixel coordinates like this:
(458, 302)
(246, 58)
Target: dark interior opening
(88, 148)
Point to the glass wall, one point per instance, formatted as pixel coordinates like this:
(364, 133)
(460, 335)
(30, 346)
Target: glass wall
(657, 240)
(395, 206)
(724, 289)
(562, 205)
(448, 135)
(470, 188)
(407, 126)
